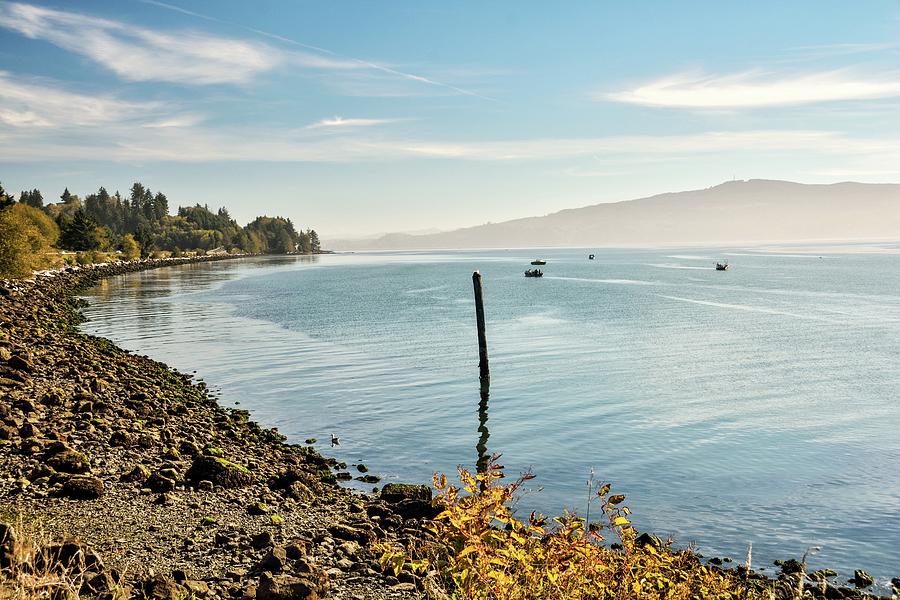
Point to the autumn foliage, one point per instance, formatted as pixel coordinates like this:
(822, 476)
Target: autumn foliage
(481, 551)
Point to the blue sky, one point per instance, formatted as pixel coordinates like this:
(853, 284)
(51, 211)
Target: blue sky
(366, 117)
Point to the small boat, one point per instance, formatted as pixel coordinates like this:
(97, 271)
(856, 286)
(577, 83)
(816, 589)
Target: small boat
(590, 257)
(539, 261)
(722, 266)
(534, 273)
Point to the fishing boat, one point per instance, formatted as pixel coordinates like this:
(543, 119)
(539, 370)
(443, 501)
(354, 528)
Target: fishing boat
(722, 266)
(534, 273)
(539, 261)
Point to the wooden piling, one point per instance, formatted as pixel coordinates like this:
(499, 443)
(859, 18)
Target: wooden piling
(484, 371)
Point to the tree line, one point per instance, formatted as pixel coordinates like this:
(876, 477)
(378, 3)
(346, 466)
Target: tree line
(136, 225)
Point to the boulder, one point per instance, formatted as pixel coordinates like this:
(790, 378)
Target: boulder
(220, 472)
(861, 579)
(68, 461)
(274, 560)
(139, 474)
(162, 588)
(394, 493)
(81, 487)
(285, 587)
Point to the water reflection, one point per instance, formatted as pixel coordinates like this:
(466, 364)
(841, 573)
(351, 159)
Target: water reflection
(484, 434)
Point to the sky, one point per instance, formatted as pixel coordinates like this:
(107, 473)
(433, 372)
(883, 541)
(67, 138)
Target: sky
(359, 117)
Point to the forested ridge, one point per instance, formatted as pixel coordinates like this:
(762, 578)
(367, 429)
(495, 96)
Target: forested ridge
(103, 226)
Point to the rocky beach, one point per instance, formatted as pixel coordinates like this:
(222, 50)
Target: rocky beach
(121, 477)
(140, 485)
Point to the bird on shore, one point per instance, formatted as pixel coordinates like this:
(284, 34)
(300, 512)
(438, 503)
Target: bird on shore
(335, 440)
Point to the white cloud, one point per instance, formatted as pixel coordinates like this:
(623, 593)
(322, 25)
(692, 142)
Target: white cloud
(24, 104)
(174, 121)
(199, 144)
(337, 122)
(139, 54)
(758, 89)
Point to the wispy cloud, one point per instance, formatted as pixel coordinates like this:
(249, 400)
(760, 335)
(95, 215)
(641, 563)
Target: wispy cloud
(139, 54)
(174, 121)
(336, 57)
(752, 89)
(201, 144)
(29, 105)
(342, 123)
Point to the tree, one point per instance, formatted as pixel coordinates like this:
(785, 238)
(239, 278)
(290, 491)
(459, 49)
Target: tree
(81, 233)
(25, 238)
(131, 250)
(33, 198)
(5, 200)
(160, 206)
(144, 238)
(66, 197)
(314, 245)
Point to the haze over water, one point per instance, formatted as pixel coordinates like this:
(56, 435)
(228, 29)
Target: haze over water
(754, 405)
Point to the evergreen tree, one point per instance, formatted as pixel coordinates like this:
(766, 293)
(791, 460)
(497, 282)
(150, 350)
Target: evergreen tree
(81, 233)
(314, 245)
(160, 206)
(32, 198)
(5, 200)
(66, 197)
(144, 237)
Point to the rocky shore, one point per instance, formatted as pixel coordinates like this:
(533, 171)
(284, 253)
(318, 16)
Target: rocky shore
(142, 486)
(133, 482)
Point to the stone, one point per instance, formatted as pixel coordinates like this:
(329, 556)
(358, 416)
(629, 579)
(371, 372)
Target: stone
(349, 548)
(284, 587)
(220, 472)
(345, 532)
(258, 508)
(262, 540)
(68, 461)
(296, 551)
(648, 539)
(121, 438)
(162, 588)
(139, 474)
(197, 588)
(408, 500)
(159, 483)
(274, 561)
(82, 488)
(861, 579)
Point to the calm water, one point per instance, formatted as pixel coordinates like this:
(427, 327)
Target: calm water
(755, 405)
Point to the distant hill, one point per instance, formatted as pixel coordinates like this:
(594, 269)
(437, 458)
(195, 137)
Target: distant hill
(757, 210)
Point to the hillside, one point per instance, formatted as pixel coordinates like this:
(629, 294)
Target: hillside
(736, 211)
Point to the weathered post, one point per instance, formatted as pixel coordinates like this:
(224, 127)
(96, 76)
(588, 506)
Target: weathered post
(484, 371)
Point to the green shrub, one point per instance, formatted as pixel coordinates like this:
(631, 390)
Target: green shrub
(26, 235)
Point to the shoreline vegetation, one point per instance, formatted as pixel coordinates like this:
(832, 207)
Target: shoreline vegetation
(108, 227)
(121, 477)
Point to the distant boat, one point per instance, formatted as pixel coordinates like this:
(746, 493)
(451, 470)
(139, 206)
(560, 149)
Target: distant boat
(539, 261)
(722, 266)
(534, 273)
(590, 257)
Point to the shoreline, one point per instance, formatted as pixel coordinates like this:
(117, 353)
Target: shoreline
(172, 493)
(164, 526)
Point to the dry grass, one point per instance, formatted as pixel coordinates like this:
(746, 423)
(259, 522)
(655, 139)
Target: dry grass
(34, 566)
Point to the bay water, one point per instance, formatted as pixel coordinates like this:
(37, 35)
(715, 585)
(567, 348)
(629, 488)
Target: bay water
(759, 404)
